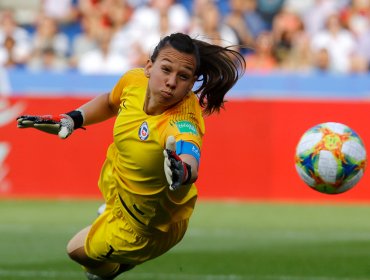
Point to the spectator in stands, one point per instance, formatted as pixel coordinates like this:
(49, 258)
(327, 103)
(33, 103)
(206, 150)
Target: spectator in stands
(137, 3)
(120, 15)
(63, 11)
(245, 20)
(7, 53)
(364, 46)
(286, 26)
(47, 35)
(155, 20)
(90, 7)
(48, 60)
(315, 17)
(125, 38)
(339, 42)
(359, 64)
(356, 16)
(262, 59)
(321, 61)
(254, 19)
(300, 57)
(210, 26)
(298, 7)
(86, 40)
(103, 60)
(138, 24)
(14, 40)
(268, 9)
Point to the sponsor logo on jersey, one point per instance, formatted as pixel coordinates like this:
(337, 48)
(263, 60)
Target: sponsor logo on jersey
(186, 127)
(144, 131)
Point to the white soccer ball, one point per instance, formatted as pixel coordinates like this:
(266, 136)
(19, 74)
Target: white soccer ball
(330, 158)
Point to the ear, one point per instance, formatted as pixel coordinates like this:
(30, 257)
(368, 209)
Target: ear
(147, 68)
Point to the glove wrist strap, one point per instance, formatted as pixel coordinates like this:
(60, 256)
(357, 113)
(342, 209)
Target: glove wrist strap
(77, 118)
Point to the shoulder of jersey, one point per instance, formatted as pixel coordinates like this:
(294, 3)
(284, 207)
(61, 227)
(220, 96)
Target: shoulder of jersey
(136, 73)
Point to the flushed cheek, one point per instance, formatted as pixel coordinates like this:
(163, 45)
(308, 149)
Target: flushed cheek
(155, 85)
(179, 95)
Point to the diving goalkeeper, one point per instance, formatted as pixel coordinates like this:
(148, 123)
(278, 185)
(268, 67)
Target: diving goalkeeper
(147, 179)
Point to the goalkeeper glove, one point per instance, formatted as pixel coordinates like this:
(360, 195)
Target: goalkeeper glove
(177, 172)
(62, 125)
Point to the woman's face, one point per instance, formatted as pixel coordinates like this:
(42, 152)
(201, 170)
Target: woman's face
(171, 77)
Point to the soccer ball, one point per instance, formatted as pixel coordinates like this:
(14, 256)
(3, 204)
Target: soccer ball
(330, 158)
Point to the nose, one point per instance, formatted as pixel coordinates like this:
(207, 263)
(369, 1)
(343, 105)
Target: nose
(171, 81)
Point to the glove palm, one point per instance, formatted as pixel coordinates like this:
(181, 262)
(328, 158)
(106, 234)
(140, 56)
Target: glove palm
(61, 125)
(177, 172)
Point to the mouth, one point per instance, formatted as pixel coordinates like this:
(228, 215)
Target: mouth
(167, 94)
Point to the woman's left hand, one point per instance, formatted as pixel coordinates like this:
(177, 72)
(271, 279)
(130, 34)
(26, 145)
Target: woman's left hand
(177, 171)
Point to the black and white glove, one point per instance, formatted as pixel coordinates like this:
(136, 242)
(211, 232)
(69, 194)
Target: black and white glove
(62, 125)
(177, 172)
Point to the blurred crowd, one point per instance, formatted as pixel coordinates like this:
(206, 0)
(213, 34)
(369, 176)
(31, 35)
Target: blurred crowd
(112, 36)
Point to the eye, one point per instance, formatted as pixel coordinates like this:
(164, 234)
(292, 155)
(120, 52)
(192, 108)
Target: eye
(184, 77)
(165, 69)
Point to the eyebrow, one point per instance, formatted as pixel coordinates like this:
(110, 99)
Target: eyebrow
(190, 68)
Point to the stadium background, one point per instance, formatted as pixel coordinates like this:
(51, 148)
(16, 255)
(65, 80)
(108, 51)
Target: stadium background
(255, 220)
(248, 150)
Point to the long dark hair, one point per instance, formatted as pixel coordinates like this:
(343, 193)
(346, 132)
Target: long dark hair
(217, 68)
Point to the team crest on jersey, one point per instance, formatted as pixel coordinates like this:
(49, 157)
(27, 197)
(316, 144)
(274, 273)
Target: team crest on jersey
(144, 131)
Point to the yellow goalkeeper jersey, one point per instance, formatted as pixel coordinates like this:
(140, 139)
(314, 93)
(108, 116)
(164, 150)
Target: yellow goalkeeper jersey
(135, 159)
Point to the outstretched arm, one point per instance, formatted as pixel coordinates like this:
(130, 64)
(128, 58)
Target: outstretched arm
(97, 110)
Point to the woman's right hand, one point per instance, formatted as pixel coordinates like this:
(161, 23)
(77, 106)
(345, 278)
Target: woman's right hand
(61, 125)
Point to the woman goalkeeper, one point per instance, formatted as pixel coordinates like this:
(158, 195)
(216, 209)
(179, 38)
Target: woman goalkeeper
(147, 179)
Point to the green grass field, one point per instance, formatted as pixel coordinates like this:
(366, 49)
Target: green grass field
(225, 241)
